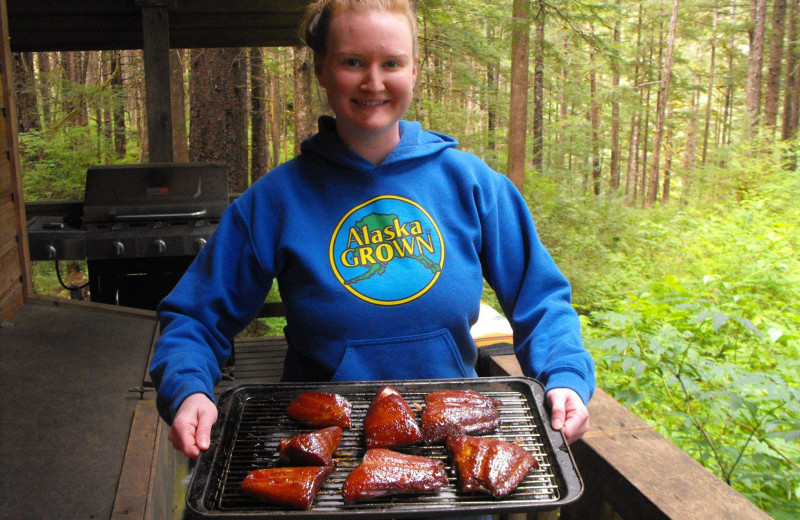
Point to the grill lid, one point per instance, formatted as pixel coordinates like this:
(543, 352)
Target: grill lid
(253, 419)
(156, 191)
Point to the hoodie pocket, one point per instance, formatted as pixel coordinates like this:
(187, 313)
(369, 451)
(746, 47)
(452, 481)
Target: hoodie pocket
(421, 356)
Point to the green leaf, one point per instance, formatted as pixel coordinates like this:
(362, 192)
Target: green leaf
(734, 402)
(749, 325)
(718, 320)
(753, 407)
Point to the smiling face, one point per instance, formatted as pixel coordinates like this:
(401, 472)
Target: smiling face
(368, 72)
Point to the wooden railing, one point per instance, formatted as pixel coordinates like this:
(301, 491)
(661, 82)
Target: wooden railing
(630, 471)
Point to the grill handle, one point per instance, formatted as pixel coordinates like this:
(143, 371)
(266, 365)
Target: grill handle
(157, 216)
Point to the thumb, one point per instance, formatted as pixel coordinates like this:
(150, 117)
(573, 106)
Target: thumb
(557, 413)
(205, 420)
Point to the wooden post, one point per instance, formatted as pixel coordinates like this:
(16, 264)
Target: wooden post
(16, 281)
(155, 32)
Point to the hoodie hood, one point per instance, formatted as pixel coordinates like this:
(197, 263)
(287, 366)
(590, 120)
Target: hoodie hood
(415, 143)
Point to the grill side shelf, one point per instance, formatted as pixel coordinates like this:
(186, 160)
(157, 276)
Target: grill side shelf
(253, 420)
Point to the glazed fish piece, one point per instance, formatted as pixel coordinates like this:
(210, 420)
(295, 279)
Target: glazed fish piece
(458, 412)
(290, 487)
(488, 465)
(385, 472)
(311, 449)
(390, 422)
(321, 409)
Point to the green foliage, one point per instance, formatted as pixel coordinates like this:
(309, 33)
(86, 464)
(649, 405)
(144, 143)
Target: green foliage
(707, 347)
(54, 165)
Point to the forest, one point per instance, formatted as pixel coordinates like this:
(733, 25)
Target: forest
(655, 142)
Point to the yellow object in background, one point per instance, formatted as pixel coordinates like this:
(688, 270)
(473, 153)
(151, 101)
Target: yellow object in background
(491, 328)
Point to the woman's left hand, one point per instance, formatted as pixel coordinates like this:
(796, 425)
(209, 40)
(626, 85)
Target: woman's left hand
(568, 413)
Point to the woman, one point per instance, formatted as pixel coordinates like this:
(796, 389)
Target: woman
(380, 235)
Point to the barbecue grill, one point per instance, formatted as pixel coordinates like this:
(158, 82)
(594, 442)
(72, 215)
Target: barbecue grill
(141, 227)
(252, 421)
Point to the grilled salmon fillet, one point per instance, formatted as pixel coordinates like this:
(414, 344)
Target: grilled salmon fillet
(390, 422)
(489, 465)
(293, 487)
(458, 412)
(385, 472)
(311, 449)
(321, 409)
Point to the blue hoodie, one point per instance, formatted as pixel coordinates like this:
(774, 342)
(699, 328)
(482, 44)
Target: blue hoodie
(380, 269)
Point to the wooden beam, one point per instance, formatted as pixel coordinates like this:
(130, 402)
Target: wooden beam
(155, 33)
(11, 171)
(56, 25)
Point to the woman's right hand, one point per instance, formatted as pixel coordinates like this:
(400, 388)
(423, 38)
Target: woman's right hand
(191, 427)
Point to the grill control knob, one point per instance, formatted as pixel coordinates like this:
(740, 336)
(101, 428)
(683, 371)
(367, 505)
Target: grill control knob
(160, 246)
(119, 247)
(198, 244)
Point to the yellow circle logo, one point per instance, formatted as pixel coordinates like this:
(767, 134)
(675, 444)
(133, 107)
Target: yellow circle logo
(387, 251)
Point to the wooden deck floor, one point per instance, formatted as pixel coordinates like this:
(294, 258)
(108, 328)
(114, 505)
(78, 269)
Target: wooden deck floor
(258, 360)
(65, 415)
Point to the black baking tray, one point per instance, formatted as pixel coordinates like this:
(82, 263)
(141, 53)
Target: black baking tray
(252, 420)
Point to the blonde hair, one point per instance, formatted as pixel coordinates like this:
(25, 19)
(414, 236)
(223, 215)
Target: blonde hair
(315, 26)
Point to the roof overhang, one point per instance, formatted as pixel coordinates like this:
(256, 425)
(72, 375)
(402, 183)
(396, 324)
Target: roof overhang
(69, 25)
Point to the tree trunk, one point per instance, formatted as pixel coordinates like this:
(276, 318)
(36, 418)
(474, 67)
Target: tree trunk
(275, 110)
(710, 94)
(755, 58)
(303, 115)
(43, 59)
(667, 163)
(633, 145)
(774, 69)
(24, 86)
(538, 89)
(107, 115)
(517, 120)
(491, 97)
(613, 180)
(652, 192)
(180, 143)
(259, 161)
(118, 119)
(790, 95)
(594, 120)
(645, 132)
(690, 152)
(727, 116)
(561, 149)
(67, 94)
(217, 115)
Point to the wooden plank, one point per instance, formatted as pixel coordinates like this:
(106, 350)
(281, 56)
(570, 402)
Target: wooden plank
(4, 141)
(675, 483)
(162, 483)
(8, 223)
(11, 299)
(103, 308)
(134, 480)
(9, 266)
(6, 184)
(17, 220)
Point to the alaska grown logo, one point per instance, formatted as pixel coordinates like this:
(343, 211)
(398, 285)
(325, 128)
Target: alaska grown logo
(387, 251)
